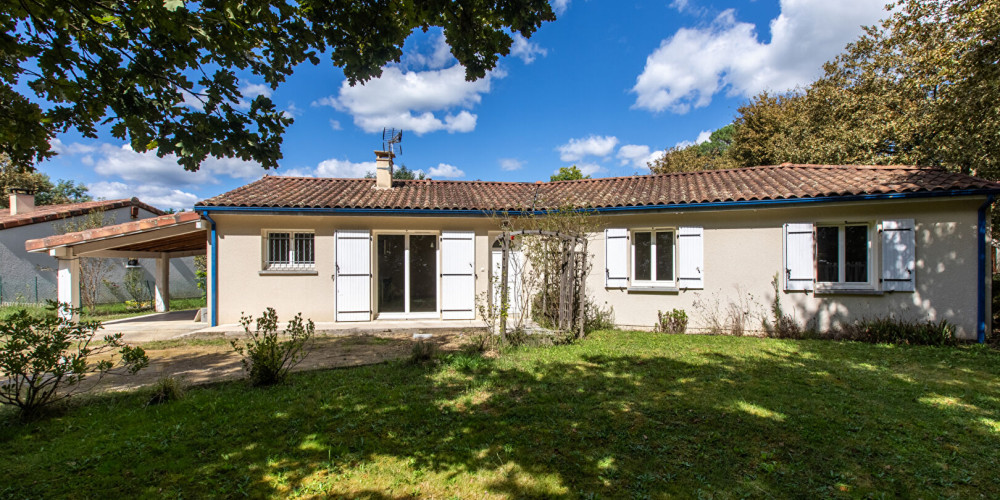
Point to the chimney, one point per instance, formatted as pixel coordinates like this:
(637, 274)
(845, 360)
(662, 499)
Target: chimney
(383, 169)
(22, 201)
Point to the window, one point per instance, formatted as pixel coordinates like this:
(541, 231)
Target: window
(653, 257)
(843, 254)
(290, 251)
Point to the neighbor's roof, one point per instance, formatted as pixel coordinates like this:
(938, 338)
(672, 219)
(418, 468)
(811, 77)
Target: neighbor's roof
(45, 213)
(780, 182)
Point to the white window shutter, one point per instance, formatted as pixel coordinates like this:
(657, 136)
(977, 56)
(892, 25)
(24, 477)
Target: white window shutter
(899, 244)
(691, 257)
(800, 270)
(616, 258)
(458, 275)
(354, 275)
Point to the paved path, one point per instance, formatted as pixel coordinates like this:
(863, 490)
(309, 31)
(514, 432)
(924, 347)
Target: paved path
(161, 326)
(179, 324)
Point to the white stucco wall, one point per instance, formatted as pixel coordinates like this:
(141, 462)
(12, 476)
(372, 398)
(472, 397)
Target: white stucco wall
(19, 269)
(742, 252)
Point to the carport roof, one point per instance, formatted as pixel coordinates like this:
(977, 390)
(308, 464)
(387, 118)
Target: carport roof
(174, 233)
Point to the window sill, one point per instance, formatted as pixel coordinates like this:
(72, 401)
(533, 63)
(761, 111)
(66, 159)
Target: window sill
(288, 272)
(848, 291)
(652, 289)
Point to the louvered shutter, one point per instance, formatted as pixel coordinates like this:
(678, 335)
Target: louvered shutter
(458, 275)
(616, 258)
(691, 257)
(898, 255)
(353, 275)
(799, 257)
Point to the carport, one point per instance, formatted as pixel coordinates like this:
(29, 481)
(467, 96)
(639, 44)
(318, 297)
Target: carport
(162, 238)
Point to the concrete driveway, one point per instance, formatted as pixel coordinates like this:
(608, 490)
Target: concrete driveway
(161, 326)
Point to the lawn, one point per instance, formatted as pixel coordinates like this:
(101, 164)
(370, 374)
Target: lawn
(617, 415)
(105, 312)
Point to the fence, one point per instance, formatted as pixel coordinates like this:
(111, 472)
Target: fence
(38, 290)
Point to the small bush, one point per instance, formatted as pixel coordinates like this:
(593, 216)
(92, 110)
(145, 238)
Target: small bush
(784, 326)
(166, 389)
(267, 359)
(479, 342)
(598, 318)
(44, 359)
(675, 321)
(895, 331)
(423, 352)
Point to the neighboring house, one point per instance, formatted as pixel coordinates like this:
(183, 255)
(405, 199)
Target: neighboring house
(31, 277)
(847, 242)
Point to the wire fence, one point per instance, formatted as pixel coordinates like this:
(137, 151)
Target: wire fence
(38, 290)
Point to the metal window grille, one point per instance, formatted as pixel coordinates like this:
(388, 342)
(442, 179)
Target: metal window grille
(304, 253)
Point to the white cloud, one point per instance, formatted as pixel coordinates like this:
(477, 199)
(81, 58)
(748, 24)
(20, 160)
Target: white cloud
(526, 50)
(334, 124)
(445, 170)
(638, 155)
(149, 169)
(413, 100)
(680, 5)
(510, 164)
(696, 63)
(586, 168)
(191, 101)
(291, 111)
(703, 136)
(251, 90)
(577, 149)
(73, 148)
(159, 196)
(560, 6)
(438, 57)
(344, 168)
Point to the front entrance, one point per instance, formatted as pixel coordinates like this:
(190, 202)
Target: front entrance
(407, 272)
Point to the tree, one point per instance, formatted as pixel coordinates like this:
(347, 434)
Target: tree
(710, 155)
(402, 173)
(568, 174)
(922, 87)
(93, 270)
(46, 193)
(165, 74)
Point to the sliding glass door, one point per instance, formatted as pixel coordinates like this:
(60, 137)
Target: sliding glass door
(407, 275)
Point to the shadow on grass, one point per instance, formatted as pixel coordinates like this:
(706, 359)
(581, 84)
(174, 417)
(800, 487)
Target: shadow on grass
(618, 415)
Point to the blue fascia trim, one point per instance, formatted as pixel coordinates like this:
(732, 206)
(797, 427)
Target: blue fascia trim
(981, 309)
(213, 278)
(608, 210)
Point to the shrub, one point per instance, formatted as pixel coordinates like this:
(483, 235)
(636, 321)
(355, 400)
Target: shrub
(267, 359)
(784, 326)
(675, 321)
(136, 286)
(44, 359)
(598, 318)
(423, 352)
(895, 331)
(166, 389)
(479, 342)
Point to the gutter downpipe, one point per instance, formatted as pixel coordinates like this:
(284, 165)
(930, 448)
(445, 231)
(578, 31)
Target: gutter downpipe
(981, 320)
(214, 276)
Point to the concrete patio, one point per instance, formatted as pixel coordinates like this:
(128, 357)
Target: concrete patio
(181, 324)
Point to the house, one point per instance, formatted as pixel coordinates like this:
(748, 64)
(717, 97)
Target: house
(846, 242)
(31, 277)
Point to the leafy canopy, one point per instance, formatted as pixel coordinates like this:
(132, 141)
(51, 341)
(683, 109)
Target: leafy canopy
(709, 155)
(922, 87)
(568, 174)
(46, 193)
(163, 74)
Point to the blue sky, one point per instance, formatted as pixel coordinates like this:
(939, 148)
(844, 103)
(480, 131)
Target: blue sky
(605, 87)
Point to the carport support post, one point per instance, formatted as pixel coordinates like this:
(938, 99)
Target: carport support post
(68, 287)
(161, 292)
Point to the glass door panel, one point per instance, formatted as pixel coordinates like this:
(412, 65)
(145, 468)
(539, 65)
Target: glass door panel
(423, 273)
(391, 273)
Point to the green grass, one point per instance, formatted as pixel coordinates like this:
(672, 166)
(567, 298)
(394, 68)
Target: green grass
(105, 312)
(616, 415)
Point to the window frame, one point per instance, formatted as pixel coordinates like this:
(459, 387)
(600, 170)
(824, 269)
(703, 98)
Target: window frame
(841, 283)
(652, 282)
(292, 265)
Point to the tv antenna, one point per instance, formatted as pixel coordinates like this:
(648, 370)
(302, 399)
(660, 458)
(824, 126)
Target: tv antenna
(391, 141)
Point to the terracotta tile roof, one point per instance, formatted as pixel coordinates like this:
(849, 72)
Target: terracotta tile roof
(45, 213)
(786, 181)
(136, 226)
